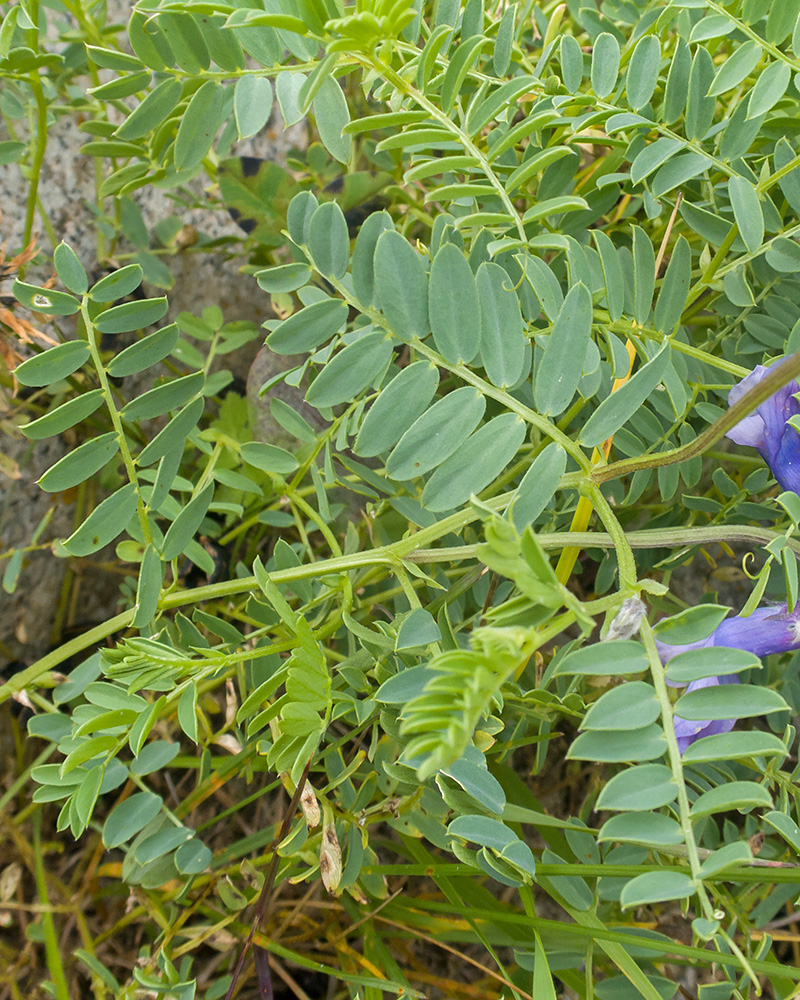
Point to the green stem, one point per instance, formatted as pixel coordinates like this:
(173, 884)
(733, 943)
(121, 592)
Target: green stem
(776, 378)
(52, 950)
(404, 87)
(116, 420)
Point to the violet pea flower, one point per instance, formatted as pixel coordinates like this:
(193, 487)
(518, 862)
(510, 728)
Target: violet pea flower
(768, 431)
(771, 629)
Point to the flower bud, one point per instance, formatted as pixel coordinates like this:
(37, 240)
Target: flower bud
(627, 622)
(330, 856)
(310, 806)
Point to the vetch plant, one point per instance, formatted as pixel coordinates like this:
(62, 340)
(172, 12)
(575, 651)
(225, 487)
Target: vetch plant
(350, 705)
(770, 429)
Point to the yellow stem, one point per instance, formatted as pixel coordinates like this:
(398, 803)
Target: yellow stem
(583, 512)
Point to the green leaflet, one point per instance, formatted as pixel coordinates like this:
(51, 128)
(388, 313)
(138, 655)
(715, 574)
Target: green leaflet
(185, 525)
(105, 522)
(434, 436)
(80, 464)
(350, 371)
(503, 342)
(198, 125)
(559, 371)
(145, 353)
(621, 405)
(475, 464)
(538, 485)
(674, 288)
(252, 104)
(309, 328)
(605, 64)
(401, 286)
(643, 71)
(328, 240)
(398, 405)
(332, 115)
(63, 417)
(747, 212)
(453, 306)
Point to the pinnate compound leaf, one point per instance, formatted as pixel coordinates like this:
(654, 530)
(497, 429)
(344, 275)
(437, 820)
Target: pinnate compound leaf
(656, 887)
(434, 436)
(63, 417)
(80, 464)
(401, 286)
(621, 405)
(475, 464)
(502, 333)
(105, 522)
(398, 405)
(453, 306)
(350, 371)
(560, 369)
(305, 330)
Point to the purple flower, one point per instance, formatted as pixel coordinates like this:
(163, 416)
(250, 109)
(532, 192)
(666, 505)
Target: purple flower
(768, 431)
(767, 630)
